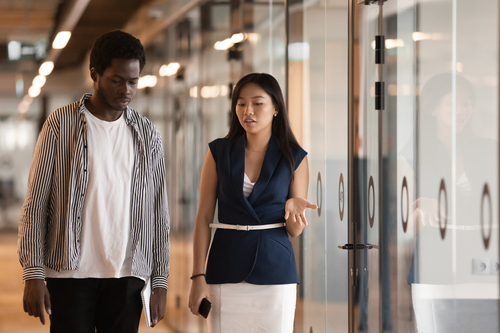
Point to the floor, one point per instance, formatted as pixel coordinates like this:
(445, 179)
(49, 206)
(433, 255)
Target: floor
(12, 317)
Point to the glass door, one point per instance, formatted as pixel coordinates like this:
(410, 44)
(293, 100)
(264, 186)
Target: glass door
(425, 201)
(368, 173)
(407, 179)
(454, 282)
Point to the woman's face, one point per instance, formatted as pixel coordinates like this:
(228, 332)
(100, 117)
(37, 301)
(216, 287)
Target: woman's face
(255, 109)
(444, 110)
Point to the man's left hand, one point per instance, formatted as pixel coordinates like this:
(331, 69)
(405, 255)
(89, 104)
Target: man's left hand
(158, 304)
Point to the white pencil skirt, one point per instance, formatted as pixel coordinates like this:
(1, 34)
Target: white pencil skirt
(244, 307)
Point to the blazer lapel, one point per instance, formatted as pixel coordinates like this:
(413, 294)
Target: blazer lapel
(237, 171)
(271, 159)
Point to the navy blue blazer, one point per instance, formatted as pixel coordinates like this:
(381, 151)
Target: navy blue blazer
(257, 256)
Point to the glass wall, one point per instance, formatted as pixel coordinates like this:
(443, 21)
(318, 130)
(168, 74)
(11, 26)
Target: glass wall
(438, 166)
(314, 238)
(335, 204)
(318, 65)
(457, 161)
(424, 164)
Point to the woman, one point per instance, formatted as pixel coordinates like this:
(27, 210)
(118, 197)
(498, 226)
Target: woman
(259, 176)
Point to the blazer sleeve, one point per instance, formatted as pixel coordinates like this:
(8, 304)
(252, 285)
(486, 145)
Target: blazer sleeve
(299, 155)
(216, 148)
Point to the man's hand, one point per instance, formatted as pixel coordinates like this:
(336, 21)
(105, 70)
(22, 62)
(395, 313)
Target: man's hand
(158, 303)
(36, 299)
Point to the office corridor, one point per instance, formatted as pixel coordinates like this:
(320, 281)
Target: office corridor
(395, 101)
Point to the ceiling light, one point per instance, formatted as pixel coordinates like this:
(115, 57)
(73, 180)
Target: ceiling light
(34, 91)
(14, 50)
(236, 38)
(393, 43)
(224, 45)
(253, 37)
(170, 69)
(193, 91)
(23, 107)
(224, 90)
(39, 81)
(46, 68)
(147, 81)
(418, 35)
(27, 99)
(210, 91)
(61, 39)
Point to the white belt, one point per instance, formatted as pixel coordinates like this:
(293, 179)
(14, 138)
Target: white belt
(246, 227)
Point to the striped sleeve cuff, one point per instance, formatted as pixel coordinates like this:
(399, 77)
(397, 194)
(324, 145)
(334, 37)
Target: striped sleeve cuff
(31, 273)
(159, 282)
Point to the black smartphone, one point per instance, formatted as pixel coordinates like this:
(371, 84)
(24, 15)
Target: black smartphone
(205, 307)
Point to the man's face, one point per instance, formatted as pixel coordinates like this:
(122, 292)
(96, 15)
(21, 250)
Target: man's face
(116, 87)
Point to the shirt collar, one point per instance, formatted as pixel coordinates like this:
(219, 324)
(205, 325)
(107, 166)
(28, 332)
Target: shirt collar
(128, 110)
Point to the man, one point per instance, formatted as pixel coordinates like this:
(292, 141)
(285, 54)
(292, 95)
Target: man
(95, 221)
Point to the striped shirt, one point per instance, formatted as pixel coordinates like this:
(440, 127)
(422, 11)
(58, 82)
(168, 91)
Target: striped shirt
(50, 224)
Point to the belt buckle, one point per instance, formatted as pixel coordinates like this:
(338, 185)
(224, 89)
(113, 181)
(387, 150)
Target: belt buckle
(243, 227)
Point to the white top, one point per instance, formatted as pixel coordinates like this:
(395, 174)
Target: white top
(105, 240)
(247, 186)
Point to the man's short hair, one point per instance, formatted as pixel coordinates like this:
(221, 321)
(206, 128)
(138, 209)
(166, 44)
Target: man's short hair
(115, 45)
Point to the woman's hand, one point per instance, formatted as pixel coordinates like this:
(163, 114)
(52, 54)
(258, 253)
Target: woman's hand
(295, 216)
(199, 290)
(295, 209)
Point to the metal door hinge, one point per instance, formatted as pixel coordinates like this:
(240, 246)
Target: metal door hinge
(379, 95)
(380, 49)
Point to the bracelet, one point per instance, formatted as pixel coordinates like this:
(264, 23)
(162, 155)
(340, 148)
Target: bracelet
(197, 275)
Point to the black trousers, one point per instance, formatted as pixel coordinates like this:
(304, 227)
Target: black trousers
(95, 305)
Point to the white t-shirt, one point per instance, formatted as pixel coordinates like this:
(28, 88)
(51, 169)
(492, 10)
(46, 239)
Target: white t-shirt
(105, 240)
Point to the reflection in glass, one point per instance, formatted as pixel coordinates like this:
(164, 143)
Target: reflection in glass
(453, 288)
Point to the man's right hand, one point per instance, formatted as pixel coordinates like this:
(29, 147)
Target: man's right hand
(36, 299)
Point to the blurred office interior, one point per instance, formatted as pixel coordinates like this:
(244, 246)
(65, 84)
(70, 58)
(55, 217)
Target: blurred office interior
(395, 101)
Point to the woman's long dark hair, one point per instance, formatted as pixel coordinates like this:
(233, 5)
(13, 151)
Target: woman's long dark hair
(281, 125)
